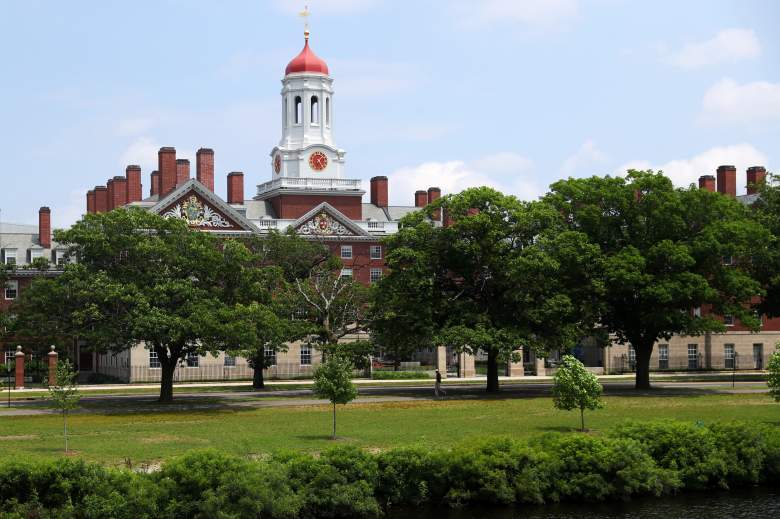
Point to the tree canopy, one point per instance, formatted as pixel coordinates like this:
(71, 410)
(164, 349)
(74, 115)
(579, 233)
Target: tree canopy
(665, 252)
(574, 387)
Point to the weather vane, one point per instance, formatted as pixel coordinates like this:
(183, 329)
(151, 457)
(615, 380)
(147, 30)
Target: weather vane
(305, 15)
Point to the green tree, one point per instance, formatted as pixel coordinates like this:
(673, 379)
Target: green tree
(773, 378)
(333, 381)
(766, 263)
(141, 278)
(64, 394)
(574, 387)
(502, 274)
(663, 251)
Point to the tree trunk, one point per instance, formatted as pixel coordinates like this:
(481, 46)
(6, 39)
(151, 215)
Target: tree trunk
(643, 352)
(582, 419)
(492, 371)
(396, 364)
(334, 420)
(167, 368)
(257, 377)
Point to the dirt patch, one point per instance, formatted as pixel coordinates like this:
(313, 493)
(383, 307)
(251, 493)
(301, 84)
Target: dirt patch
(19, 438)
(160, 438)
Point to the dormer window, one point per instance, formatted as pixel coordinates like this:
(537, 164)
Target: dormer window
(60, 259)
(35, 254)
(10, 256)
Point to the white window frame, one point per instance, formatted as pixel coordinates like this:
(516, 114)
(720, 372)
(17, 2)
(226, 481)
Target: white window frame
(346, 252)
(376, 252)
(346, 272)
(693, 355)
(305, 354)
(228, 361)
(728, 320)
(190, 359)
(10, 357)
(11, 285)
(269, 353)
(8, 255)
(663, 356)
(375, 274)
(729, 354)
(154, 360)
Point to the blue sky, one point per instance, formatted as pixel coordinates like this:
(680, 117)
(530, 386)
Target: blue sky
(510, 93)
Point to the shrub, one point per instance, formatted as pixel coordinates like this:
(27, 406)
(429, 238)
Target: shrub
(409, 476)
(743, 448)
(400, 375)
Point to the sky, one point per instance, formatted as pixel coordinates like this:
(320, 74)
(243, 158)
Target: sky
(514, 94)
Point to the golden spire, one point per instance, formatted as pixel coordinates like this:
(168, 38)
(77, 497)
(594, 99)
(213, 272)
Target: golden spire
(305, 15)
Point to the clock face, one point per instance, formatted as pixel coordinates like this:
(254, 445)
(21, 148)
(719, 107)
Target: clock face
(277, 164)
(318, 161)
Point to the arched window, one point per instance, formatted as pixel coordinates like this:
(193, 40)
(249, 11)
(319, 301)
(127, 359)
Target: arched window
(315, 110)
(298, 110)
(327, 111)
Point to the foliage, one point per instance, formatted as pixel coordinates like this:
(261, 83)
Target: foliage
(399, 375)
(358, 353)
(103, 378)
(773, 376)
(574, 387)
(766, 263)
(333, 381)
(502, 274)
(349, 482)
(64, 394)
(662, 253)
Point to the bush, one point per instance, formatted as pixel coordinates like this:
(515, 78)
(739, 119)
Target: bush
(409, 476)
(400, 375)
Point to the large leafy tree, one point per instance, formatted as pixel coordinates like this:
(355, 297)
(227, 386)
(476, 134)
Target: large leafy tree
(766, 264)
(500, 275)
(663, 256)
(140, 278)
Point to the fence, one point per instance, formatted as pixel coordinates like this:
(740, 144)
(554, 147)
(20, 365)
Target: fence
(624, 364)
(213, 372)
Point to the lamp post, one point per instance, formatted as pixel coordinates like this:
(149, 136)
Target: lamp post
(734, 370)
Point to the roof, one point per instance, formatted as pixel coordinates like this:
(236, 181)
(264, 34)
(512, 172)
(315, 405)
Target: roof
(258, 209)
(397, 212)
(17, 228)
(306, 61)
(21, 237)
(372, 212)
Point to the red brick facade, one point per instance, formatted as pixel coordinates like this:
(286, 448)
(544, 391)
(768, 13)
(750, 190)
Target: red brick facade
(292, 207)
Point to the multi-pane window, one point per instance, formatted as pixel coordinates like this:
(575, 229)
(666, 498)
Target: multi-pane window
(728, 356)
(346, 273)
(375, 275)
(60, 255)
(346, 251)
(376, 252)
(35, 254)
(270, 356)
(693, 356)
(663, 356)
(11, 290)
(728, 320)
(154, 360)
(10, 357)
(10, 256)
(305, 355)
(631, 357)
(192, 360)
(229, 361)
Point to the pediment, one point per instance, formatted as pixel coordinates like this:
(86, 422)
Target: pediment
(326, 220)
(201, 209)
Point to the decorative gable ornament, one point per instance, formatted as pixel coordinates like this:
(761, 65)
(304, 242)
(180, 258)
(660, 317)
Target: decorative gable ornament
(323, 224)
(197, 214)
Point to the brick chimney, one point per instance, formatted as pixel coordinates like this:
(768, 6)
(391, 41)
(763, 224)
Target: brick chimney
(727, 180)
(109, 194)
(134, 189)
(235, 188)
(182, 171)
(707, 182)
(120, 192)
(204, 167)
(166, 165)
(379, 191)
(420, 198)
(90, 201)
(154, 180)
(433, 194)
(44, 227)
(756, 175)
(101, 199)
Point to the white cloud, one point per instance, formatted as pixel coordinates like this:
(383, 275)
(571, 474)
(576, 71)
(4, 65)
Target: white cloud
(729, 102)
(588, 156)
(142, 151)
(538, 13)
(326, 6)
(728, 46)
(134, 126)
(687, 171)
(506, 171)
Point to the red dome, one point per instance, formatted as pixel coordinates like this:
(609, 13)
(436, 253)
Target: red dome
(306, 61)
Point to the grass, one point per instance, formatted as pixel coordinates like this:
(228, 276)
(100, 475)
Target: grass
(147, 437)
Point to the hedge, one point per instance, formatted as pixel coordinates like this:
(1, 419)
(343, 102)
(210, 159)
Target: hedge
(634, 459)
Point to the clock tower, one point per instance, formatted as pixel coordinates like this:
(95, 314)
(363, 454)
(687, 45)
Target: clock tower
(307, 149)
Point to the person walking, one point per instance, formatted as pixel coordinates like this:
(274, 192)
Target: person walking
(437, 390)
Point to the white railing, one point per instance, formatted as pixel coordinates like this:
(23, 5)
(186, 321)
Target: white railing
(267, 224)
(376, 225)
(309, 183)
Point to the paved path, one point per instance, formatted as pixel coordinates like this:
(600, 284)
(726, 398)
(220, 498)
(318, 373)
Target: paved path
(237, 400)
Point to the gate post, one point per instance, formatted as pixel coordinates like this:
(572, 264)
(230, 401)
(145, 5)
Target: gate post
(515, 369)
(441, 360)
(19, 374)
(52, 380)
(466, 366)
(540, 369)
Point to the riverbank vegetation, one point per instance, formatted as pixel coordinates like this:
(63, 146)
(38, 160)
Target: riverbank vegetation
(652, 458)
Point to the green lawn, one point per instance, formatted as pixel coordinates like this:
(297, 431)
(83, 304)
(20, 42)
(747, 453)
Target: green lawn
(155, 436)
